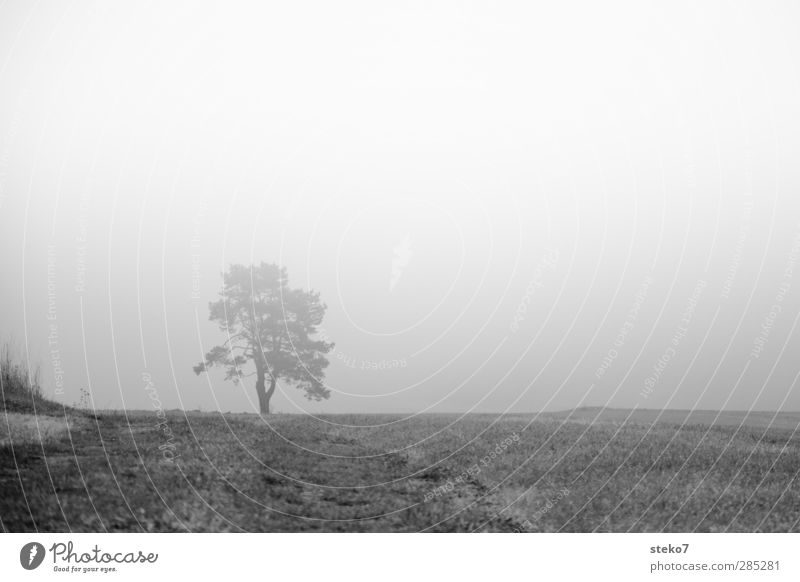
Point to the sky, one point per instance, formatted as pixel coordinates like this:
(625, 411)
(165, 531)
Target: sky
(533, 206)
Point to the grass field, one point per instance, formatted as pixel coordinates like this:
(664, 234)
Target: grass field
(588, 470)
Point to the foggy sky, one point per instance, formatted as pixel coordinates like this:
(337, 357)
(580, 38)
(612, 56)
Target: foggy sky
(506, 208)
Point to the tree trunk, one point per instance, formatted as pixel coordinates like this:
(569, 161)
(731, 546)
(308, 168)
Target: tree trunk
(263, 399)
(263, 402)
(268, 395)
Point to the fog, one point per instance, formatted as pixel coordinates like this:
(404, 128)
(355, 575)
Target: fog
(511, 208)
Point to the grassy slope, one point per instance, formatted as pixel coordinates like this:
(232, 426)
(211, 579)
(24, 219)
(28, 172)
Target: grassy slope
(235, 473)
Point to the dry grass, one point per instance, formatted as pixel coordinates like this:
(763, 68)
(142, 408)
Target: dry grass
(15, 377)
(23, 429)
(20, 390)
(291, 473)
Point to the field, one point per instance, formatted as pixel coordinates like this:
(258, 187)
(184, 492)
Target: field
(580, 471)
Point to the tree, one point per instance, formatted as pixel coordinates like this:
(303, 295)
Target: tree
(271, 325)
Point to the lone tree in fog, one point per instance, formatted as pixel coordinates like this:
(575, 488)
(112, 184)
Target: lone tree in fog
(271, 325)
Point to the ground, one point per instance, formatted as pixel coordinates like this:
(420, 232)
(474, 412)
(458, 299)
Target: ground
(587, 470)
